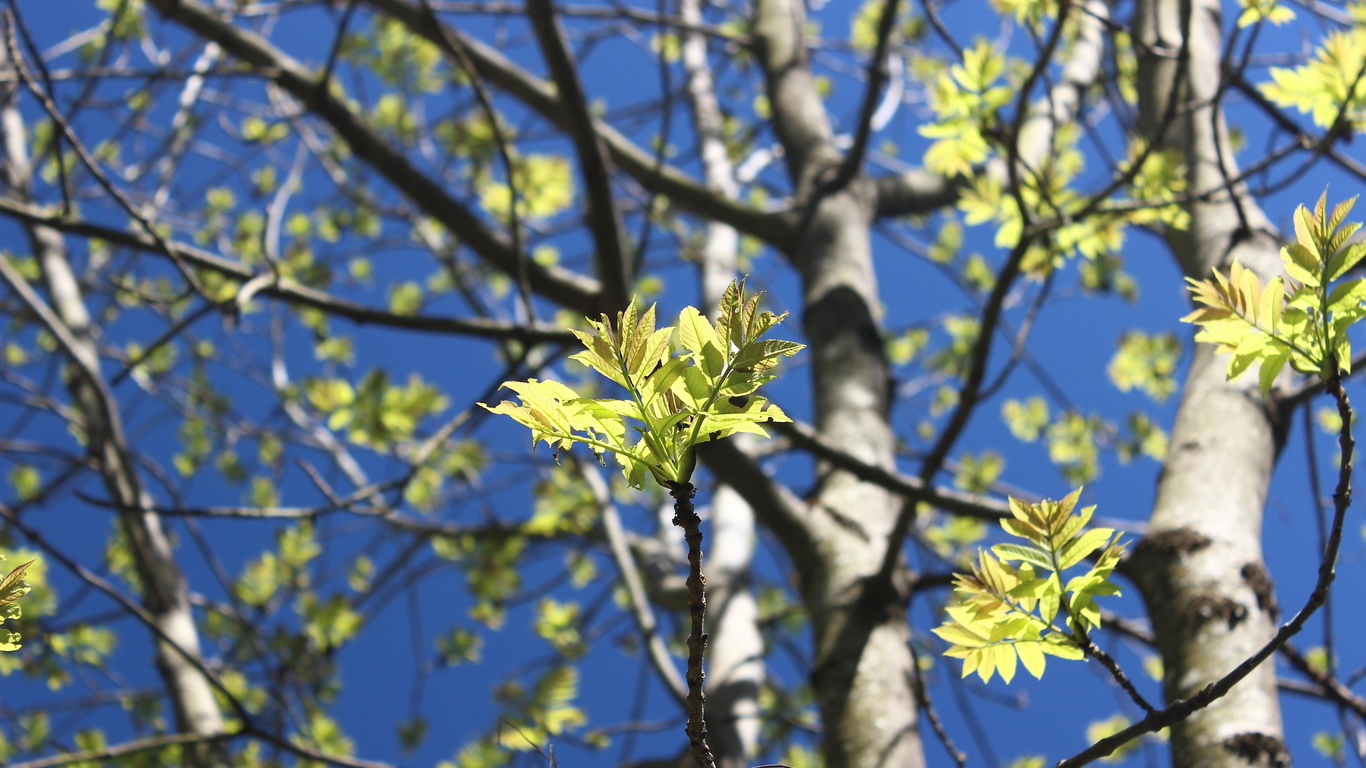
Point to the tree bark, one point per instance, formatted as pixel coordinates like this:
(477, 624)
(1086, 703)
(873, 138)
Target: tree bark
(1200, 567)
(863, 670)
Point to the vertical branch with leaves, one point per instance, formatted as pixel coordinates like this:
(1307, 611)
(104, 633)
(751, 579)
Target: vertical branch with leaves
(677, 401)
(1302, 321)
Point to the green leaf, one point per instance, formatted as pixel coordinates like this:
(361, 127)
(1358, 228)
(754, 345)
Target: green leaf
(959, 635)
(13, 586)
(1032, 656)
(1325, 86)
(26, 480)
(1271, 368)
(764, 355)
(1147, 363)
(675, 401)
(1302, 263)
(1003, 608)
(1063, 647)
(1347, 296)
(700, 340)
(1027, 553)
(975, 474)
(1026, 419)
(405, 298)
(1087, 543)
(1005, 659)
(1345, 260)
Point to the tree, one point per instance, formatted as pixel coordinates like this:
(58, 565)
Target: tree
(267, 258)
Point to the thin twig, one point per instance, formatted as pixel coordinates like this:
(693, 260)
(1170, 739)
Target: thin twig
(603, 216)
(1112, 666)
(685, 517)
(455, 47)
(1183, 708)
(926, 706)
(127, 748)
(92, 165)
(877, 76)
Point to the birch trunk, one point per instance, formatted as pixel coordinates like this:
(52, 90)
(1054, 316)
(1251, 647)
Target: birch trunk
(736, 648)
(863, 670)
(1200, 567)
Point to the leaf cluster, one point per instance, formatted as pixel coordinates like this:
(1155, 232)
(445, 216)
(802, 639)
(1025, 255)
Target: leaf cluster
(12, 587)
(1327, 86)
(546, 710)
(965, 100)
(1007, 614)
(1257, 11)
(1302, 320)
(680, 394)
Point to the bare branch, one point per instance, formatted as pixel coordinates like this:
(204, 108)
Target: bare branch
(667, 180)
(635, 589)
(127, 748)
(877, 77)
(556, 283)
(911, 488)
(604, 217)
(289, 290)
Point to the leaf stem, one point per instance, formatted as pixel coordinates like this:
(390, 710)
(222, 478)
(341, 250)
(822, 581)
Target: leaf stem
(650, 433)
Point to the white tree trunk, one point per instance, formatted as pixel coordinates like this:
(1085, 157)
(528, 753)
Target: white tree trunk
(1200, 566)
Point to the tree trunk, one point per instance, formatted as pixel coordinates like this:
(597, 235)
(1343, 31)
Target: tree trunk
(863, 670)
(1200, 566)
(164, 593)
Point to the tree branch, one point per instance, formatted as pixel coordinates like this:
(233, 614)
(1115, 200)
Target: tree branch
(774, 228)
(915, 193)
(911, 488)
(780, 510)
(604, 216)
(188, 683)
(137, 746)
(919, 192)
(635, 588)
(685, 517)
(1184, 708)
(799, 117)
(287, 289)
(877, 77)
(555, 283)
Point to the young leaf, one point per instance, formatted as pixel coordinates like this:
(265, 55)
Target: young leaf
(1304, 325)
(13, 586)
(1004, 614)
(675, 401)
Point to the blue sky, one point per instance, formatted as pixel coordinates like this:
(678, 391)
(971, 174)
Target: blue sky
(1072, 341)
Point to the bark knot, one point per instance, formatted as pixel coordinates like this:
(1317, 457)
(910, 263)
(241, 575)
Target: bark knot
(1177, 541)
(1259, 581)
(1259, 749)
(1210, 607)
